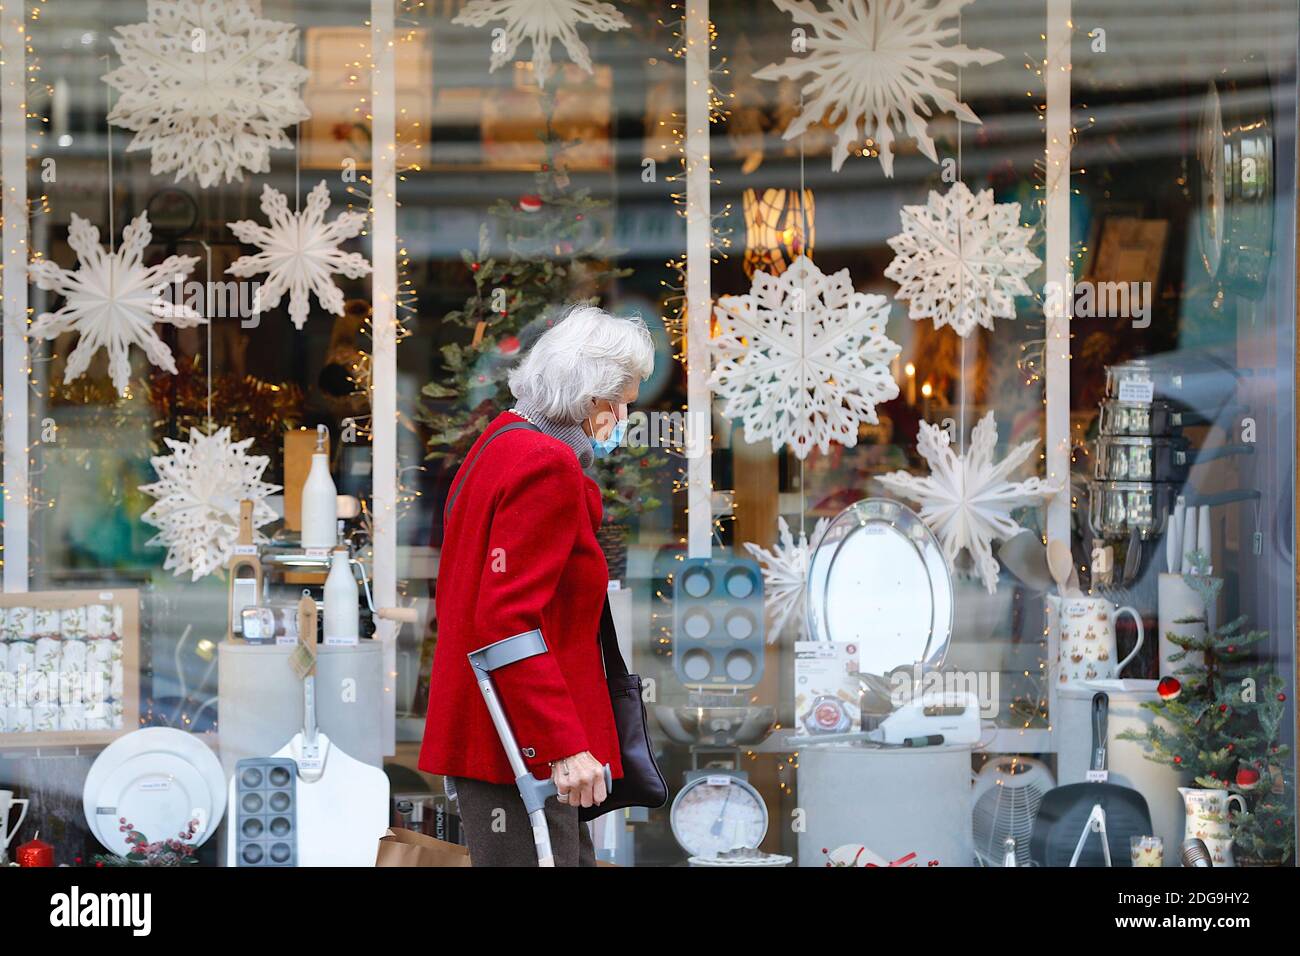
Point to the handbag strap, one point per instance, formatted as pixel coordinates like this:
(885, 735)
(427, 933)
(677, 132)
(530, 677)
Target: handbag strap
(615, 666)
(451, 498)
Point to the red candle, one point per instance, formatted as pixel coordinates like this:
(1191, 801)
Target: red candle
(35, 853)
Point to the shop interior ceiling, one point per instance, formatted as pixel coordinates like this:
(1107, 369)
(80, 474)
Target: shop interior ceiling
(1152, 48)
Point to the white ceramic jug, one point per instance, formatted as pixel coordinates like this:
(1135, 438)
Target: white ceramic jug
(1207, 819)
(7, 833)
(1085, 629)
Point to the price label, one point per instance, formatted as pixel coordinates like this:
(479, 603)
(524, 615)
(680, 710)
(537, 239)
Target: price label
(1097, 776)
(1143, 392)
(244, 549)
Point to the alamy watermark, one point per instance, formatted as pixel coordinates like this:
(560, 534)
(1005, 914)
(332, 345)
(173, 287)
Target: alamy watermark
(1100, 300)
(222, 299)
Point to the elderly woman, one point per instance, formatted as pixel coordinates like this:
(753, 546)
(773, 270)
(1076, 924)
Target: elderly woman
(519, 553)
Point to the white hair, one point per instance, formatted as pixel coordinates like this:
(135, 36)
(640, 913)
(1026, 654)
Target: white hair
(589, 354)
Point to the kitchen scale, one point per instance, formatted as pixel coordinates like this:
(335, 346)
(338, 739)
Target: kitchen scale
(719, 819)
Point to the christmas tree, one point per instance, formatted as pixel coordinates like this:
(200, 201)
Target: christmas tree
(1219, 723)
(555, 255)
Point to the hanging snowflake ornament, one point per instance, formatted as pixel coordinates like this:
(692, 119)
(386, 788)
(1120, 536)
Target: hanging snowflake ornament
(541, 22)
(803, 359)
(198, 491)
(967, 500)
(785, 575)
(207, 86)
(299, 253)
(113, 300)
(961, 259)
(873, 67)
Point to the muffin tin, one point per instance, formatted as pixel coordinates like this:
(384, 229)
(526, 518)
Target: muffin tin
(264, 825)
(718, 622)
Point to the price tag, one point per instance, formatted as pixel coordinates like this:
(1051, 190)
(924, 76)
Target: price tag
(317, 552)
(719, 780)
(1097, 776)
(244, 549)
(1143, 392)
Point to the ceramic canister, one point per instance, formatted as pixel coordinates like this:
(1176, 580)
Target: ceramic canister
(1182, 613)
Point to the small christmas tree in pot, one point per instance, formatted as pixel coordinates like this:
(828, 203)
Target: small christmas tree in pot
(1219, 724)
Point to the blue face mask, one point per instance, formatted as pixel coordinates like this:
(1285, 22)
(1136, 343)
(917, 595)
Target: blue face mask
(602, 448)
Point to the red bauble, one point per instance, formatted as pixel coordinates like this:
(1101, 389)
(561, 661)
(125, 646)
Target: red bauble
(1177, 759)
(1169, 688)
(508, 345)
(1247, 778)
(1281, 697)
(530, 203)
(1232, 648)
(579, 217)
(1223, 708)
(474, 266)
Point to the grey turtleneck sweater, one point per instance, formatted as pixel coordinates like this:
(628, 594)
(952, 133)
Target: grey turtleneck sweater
(569, 433)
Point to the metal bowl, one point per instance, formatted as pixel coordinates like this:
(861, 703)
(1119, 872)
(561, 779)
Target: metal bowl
(716, 726)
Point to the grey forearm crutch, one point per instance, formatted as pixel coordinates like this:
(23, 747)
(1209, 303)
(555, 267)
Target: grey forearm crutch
(532, 791)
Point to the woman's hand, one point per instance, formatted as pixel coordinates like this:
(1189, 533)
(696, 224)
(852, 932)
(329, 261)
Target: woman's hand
(579, 780)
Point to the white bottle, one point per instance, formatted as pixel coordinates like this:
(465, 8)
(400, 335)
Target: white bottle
(319, 498)
(342, 601)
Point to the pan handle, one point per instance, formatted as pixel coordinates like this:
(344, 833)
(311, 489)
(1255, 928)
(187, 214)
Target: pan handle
(1100, 720)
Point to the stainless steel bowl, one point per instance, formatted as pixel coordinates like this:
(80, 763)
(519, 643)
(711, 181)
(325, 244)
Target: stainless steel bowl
(716, 726)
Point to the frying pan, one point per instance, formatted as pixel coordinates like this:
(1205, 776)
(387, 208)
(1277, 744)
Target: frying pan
(1068, 830)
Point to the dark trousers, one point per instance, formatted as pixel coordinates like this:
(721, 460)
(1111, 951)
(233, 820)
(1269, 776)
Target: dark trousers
(498, 833)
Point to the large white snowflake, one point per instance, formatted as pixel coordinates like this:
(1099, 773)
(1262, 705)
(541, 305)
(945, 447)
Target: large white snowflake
(299, 253)
(875, 66)
(113, 300)
(785, 575)
(967, 499)
(961, 259)
(208, 86)
(803, 359)
(541, 22)
(199, 488)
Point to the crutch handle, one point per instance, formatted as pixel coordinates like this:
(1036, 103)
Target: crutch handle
(536, 792)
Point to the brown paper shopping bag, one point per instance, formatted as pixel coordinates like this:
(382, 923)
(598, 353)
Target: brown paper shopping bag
(400, 847)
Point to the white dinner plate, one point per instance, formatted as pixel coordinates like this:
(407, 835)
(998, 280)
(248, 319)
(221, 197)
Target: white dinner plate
(157, 793)
(153, 740)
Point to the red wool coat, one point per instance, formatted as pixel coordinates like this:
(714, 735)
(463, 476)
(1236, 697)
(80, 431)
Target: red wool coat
(519, 552)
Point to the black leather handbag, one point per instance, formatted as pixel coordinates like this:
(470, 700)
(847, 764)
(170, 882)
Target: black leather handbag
(642, 785)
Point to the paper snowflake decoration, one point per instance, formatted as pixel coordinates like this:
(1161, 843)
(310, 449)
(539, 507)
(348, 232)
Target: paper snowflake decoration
(299, 253)
(785, 575)
(541, 22)
(967, 500)
(874, 66)
(113, 300)
(198, 491)
(208, 86)
(803, 358)
(961, 259)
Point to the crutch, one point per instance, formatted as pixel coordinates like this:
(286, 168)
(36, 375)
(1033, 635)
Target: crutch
(532, 791)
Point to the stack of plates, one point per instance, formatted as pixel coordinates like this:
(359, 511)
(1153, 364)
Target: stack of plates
(157, 779)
